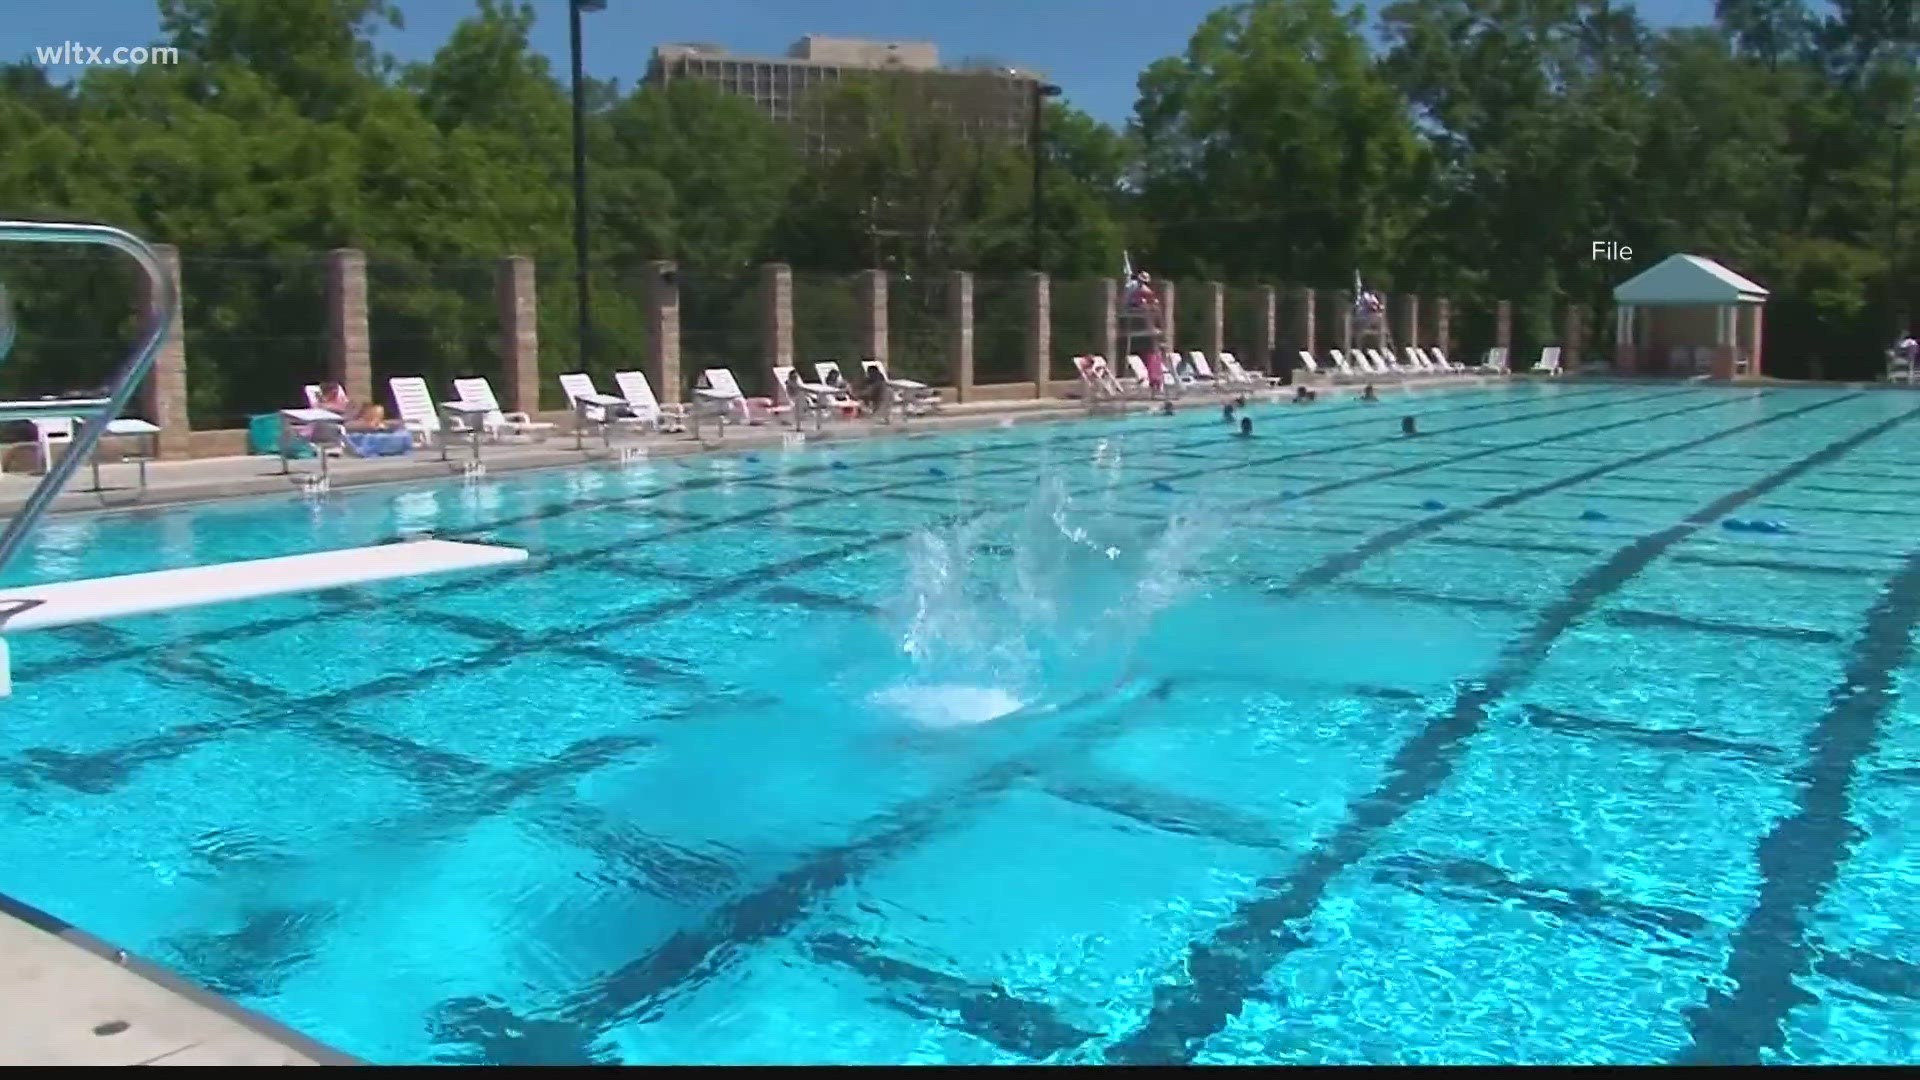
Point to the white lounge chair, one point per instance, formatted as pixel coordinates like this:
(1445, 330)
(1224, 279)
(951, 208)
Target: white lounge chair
(644, 406)
(915, 396)
(718, 387)
(590, 406)
(1549, 362)
(1420, 363)
(1343, 371)
(1203, 372)
(418, 413)
(478, 392)
(818, 398)
(1252, 380)
(1440, 357)
(1096, 383)
(1312, 369)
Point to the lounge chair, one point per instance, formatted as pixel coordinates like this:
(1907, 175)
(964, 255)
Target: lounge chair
(500, 424)
(644, 407)
(1549, 362)
(1313, 370)
(1420, 363)
(590, 406)
(1096, 385)
(1251, 380)
(419, 416)
(717, 387)
(1203, 373)
(1347, 372)
(915, 396)
(820, 399)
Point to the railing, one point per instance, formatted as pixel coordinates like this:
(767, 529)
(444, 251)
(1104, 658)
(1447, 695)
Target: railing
(94, 413)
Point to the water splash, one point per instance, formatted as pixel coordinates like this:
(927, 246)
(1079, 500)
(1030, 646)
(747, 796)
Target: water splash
(998, 616)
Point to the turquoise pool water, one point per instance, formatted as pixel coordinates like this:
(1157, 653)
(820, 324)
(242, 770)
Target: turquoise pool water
(1118, 741)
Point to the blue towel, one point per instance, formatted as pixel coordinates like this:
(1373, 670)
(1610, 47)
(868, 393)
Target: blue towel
(379, 443)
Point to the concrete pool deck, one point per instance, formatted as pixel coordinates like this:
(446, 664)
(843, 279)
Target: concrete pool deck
(67, 998)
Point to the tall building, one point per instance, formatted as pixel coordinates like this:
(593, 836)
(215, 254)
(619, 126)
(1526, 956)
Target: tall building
(984, 97)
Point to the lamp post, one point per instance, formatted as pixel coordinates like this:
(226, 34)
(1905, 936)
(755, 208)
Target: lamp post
(1042, 90)
(1896, 294)
(585, 329)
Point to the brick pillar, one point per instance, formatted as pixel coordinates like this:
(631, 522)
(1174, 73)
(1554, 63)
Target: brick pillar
(1110, 319)
(1266, 331)
(1343, 320)
(1300, 325)
(960, 331)
(1169, 296)
(349, 346)
(1216, 318)
(1757, 335)
(663, 331)
(519, 333)
(163, 396)
(873, 316)
(1406, 320)
(1443, 326)
(1503, 329)
(776, 316)
(1573, 335)
(1040, 332)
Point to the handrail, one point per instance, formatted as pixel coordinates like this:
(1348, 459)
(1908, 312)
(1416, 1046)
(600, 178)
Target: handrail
(96, 412)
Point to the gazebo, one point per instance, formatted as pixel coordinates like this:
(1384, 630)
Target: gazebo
(1688, 316)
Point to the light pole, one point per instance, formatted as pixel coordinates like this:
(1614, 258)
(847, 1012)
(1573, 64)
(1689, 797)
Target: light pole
(1896, 294)
(585, 329)
(1042, 90)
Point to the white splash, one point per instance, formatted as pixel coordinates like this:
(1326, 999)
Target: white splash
(993, 624)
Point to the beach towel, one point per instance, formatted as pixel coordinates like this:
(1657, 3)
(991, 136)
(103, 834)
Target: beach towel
(379, 443)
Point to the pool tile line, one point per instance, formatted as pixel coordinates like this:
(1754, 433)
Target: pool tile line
(1801, 856)
(1228, 965)
(1635, 618)
(988, 1012)
(1684, 740)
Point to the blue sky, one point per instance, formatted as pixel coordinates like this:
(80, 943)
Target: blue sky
(1093, 48)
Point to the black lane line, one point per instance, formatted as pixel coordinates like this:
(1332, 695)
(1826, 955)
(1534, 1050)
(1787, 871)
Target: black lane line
(1783, 566)
(1661, 620)
(361, 602)
(1228, 966)
(1681, 739)
(1345, 562)
(1801, 857)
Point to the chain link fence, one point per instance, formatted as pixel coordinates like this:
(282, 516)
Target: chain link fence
(1002, 321)
(720, 326)
(920, 328)
(76, 314)
(256, 334)
(1078, 314)
(1246, 325)
(618, 294)
(438, 321)
(829, 320)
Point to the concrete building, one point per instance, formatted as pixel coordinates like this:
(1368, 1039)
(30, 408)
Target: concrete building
(984, 97)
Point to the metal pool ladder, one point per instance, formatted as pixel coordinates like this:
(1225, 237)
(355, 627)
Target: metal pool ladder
(94, 414)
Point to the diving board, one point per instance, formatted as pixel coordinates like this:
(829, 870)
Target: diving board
(67, 603)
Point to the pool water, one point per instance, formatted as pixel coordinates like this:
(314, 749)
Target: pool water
(1124, 741)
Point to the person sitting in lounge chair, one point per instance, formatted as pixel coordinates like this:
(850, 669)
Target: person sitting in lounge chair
(874, 392)
(370, 417)
(333, 398)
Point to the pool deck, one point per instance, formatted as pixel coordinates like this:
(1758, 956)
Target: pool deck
(68, 998)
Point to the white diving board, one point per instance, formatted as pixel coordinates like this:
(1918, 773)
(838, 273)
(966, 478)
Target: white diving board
(67, 603)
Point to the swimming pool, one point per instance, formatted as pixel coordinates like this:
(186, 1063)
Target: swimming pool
(1107, 741)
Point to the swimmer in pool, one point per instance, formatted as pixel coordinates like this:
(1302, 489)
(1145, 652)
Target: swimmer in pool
(1226, 412)
(1166, 408)
(1408, 427)
(1367, 394)
(1246, 427)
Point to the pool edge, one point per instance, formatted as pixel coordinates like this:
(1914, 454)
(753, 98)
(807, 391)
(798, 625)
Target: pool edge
(36, 920)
